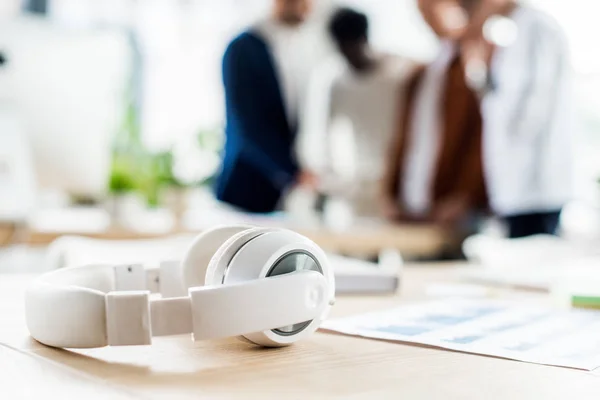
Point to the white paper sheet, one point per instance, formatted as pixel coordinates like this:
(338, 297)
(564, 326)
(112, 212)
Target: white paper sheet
(524, 332)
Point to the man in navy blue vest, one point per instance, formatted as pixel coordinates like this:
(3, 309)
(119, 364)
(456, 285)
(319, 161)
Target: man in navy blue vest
(263, 71)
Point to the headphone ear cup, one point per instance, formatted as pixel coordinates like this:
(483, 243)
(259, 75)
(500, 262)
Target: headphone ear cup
(221, 258)
(198, 256)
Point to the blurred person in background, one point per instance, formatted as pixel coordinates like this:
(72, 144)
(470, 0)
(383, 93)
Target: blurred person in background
(488, 122)
(364, 91)
(264, 72)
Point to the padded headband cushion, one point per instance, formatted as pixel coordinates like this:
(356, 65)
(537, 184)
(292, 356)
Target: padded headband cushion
(219, 262)
(66, 308)
(195, 261)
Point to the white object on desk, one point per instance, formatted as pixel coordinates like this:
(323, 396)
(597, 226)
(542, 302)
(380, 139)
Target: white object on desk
(500, 252)
(72, 251)
(536, 262)
(446, 290)
(70, 219)
(538, 276)
(353, 276)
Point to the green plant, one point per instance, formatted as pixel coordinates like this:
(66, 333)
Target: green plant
(134, 169)
(137, 170)
(156, 174)
(127, 150)
(121, 177)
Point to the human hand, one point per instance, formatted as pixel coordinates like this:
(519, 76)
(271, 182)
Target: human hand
(390, 209)
(451, 210)
(476, 56)
(307, 179)
(393, 213)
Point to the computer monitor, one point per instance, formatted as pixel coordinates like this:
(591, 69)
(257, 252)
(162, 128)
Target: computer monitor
(67, 88)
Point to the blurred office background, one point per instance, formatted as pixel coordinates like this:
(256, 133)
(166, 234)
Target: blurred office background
(106, 92)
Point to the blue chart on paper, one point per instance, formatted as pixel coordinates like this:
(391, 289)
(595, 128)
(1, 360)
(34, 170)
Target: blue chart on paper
(434, 321)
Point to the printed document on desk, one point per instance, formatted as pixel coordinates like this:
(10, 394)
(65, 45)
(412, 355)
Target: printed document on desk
(517, 331)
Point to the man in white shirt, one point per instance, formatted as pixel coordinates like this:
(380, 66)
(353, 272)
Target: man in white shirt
(359, 96)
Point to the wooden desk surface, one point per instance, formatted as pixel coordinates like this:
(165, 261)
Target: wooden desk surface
(325, 366)
(411, 240)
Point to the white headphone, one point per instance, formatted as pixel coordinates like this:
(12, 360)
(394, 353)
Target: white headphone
(272, 287)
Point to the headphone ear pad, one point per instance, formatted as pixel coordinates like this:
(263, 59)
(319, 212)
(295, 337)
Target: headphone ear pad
(219, 262)
(198, 256)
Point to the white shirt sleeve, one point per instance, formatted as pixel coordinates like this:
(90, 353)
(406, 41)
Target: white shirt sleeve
(548, 67)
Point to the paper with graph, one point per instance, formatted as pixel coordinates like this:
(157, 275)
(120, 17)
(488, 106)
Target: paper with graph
(530, 333)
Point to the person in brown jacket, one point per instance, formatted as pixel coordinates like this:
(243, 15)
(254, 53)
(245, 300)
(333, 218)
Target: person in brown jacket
(466, 144)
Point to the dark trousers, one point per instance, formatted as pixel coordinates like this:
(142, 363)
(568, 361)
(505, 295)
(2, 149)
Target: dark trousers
(524, 225)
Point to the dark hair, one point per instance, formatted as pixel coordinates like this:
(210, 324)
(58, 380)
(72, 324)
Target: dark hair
(347, 24)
